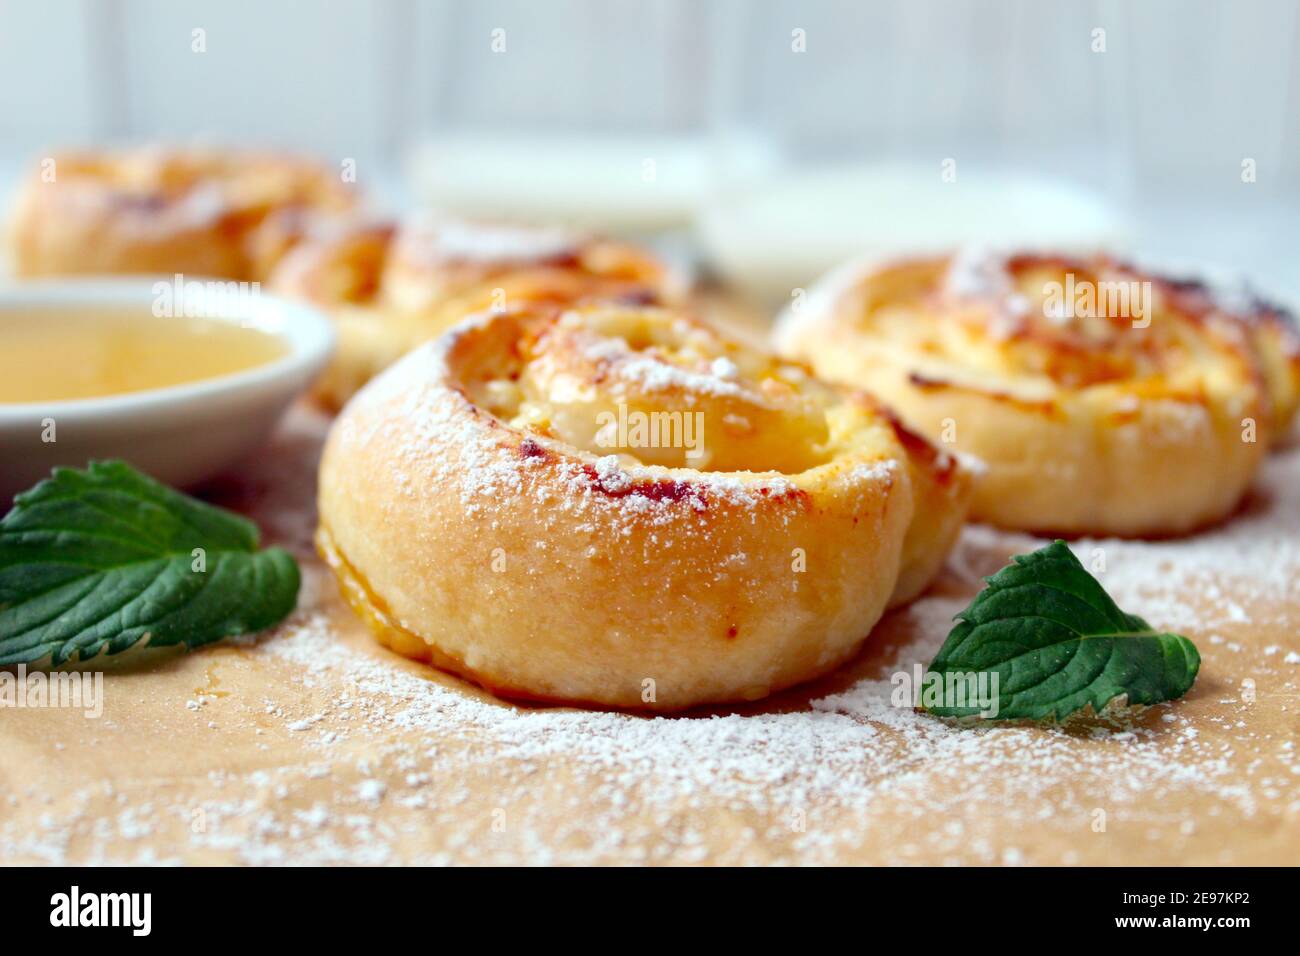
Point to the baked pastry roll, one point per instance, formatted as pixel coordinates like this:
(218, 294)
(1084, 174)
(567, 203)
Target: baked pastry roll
(1102, 399)
(616, 506)
(196, 211)
(390, 288)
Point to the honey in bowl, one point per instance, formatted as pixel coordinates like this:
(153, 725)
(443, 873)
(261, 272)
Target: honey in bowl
(70, 353)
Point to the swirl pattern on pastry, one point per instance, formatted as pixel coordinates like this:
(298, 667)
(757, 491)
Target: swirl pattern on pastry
(1103, 399)
(390, 288)
(201, 211)
(614, 505)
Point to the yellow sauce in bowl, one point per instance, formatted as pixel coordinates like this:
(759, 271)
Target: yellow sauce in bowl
(70, 353)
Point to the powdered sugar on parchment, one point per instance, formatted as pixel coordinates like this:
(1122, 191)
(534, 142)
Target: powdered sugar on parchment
(847, 754)
(844, 754)
(838, 772)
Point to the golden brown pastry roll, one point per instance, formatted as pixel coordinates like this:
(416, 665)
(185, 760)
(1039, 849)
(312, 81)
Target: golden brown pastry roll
(615, 505)
(158, 210)
(390, 288)
(1103, 399)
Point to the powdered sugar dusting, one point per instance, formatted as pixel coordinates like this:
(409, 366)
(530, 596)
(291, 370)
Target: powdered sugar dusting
(394, 762)
(976, 272)
(652, 374)
(844, 755)
(442, 439)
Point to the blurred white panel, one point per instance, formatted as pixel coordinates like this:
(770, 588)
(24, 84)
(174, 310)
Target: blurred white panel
(620, 65)
(1183, 92)
(1289, 168)
(1059, 95)
(1212, 83)
(819, 74)
(931, 77)
(51, 54)
(304, 74)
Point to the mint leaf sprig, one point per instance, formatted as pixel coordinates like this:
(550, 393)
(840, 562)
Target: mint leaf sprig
(1058, 644)
(100, 559)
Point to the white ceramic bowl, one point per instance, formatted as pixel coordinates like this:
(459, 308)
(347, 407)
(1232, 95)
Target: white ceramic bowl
(180, 434)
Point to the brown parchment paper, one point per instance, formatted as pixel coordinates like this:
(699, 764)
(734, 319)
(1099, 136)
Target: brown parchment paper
(311, 744)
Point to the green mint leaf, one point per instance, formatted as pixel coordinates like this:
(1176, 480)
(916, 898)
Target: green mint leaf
(100, 559)
(1057, 643)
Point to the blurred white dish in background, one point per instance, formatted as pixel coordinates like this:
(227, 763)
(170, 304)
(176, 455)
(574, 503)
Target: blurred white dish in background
(616, 184)
(780, 235)
(181, 433)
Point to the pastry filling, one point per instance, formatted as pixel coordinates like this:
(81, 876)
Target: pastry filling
(655, 390)
(1039, 324)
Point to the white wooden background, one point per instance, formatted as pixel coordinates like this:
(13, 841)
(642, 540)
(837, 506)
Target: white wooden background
(1185, 91)
(1185, 87)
